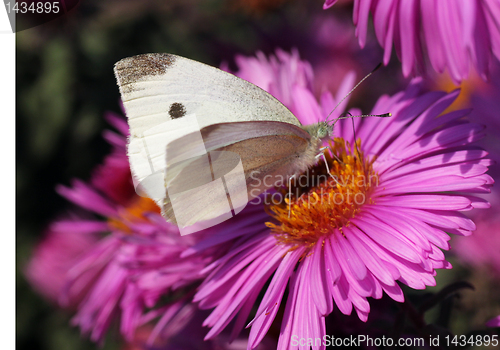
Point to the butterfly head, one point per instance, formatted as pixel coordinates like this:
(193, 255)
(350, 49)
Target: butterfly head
(324, 130)
(320, 130)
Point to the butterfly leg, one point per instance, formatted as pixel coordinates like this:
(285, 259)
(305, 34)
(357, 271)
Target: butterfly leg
(333, 154)
(290, 194)
(326, 163)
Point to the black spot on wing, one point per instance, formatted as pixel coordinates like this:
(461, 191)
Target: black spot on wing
(177, 110)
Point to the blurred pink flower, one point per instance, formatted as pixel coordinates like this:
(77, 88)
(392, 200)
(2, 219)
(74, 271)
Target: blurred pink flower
(342, 253)
(454, 35)
(188, 335)
(60, 248)
(482, 249)
(343, 47)
(119, 264)
(495, 322)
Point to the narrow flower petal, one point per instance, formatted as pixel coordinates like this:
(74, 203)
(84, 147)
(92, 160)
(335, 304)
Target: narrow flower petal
(454, 36)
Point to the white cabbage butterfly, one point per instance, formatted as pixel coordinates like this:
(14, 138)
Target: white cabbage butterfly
(186, 117)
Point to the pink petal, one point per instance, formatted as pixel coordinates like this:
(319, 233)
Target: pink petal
(431, 34)
(384, 236)
(426, 201)
(328, 4)
(370, 259)
(317, 270)
(409, 42)
(362, 25)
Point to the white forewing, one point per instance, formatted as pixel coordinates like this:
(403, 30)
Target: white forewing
(150, 84)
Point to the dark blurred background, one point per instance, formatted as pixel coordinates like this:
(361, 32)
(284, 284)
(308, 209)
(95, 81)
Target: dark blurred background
(65, 84)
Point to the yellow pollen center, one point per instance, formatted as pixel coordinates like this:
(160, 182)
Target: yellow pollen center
(133, 213)
(321, 202)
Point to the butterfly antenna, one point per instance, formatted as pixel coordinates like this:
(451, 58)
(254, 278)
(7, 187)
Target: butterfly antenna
(350, 116)
(354, 88)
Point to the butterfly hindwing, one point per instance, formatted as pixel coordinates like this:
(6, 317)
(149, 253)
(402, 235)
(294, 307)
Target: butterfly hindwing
(266, 161)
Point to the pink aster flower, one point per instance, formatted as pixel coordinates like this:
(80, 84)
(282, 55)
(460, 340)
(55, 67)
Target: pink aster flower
(381, 221)
(452, 35)
(116, 257)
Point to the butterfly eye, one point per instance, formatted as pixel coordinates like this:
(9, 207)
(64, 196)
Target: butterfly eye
(324, 130)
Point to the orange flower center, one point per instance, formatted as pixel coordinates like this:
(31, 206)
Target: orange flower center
(320, 201)
(133, 213)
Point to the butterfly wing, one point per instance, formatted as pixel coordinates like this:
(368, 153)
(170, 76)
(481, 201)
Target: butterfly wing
(205, 187)
(167, 96)
(219, 135)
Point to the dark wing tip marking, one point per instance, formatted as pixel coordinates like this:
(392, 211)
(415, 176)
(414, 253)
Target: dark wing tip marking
(132, 69)
(177, 110)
